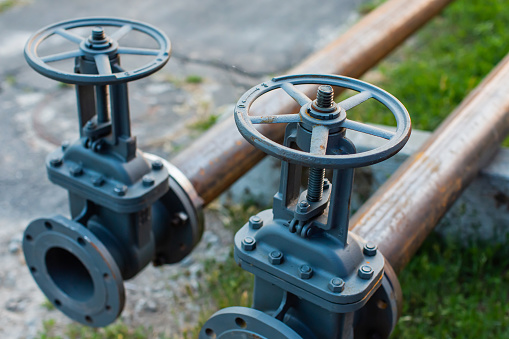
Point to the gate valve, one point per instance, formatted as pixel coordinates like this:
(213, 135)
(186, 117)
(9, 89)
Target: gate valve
(128, 208)
(314, 278)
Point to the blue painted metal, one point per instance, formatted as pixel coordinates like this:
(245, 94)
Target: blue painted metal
(311, 274)
(127, 208)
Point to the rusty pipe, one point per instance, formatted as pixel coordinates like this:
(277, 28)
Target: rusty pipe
(221, 156)
(401, 214)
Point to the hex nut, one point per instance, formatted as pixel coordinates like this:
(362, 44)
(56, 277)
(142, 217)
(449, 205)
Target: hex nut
(157, 165)
(76, 170)
(248, 244)
(365, 272)
(148, 180)
(326, 183)
(97, 180)
(276, 257)
(56, 162)
(255, 222)
(121, 190)
(303, 206)
(336, 285)
(305, 272)
(370, 249)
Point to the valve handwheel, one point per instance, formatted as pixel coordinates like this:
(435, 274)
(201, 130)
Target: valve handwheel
(100, 48)
(322, 120)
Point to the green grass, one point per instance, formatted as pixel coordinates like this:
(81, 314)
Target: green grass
(74, 331)
(455, 292)
(194, 79)
(7, 4)
(434, 71)
(204, 123)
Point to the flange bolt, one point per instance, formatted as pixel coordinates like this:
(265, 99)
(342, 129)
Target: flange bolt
(276, 257)
(305, 272)
(370, 249)
(97, 180)
(55, 162)
(148, 180)
(121, 190)
(157, 165)
(65, 145)
(76, 170)
(90, 125)
(255, 222)
(248, 244)
(365, 272)
(336, 285)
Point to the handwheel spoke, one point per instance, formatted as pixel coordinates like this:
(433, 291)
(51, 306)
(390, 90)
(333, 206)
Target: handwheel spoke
(102, 61)
(355, 100)
(138, 51)
(274, 119)
(300, 97)
(119, 33)
(69, 36)
(62, 56)
(319, 138)
(360, 127)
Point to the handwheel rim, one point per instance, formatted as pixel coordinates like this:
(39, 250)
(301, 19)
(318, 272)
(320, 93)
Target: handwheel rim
(159, 60)
(389, 148)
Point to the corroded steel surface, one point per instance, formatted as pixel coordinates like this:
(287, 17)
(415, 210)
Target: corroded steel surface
(221, 156)
(400, 215)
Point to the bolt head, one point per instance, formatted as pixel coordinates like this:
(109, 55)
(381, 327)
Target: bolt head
(248, 244)
(336, 285)
(65, 145)
(121, 190)
(326, 184)
(157, 165)
(303, 206)
(255, 222)
(370, 249)
(180, 219)
(76, 170)
(305, 272)
(97, 180)
(148, 180)
(90, 125)
(365, 272)
(276, 257)
(56, 162)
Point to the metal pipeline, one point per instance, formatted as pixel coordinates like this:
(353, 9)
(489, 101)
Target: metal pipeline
(401, 214)
(221, 156)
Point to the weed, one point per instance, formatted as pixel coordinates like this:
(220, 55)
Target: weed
(205, 123)
(7, 4)
(194, 79)
(48, 305)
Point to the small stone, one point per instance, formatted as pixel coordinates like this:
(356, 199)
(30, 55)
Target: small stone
(150, 306)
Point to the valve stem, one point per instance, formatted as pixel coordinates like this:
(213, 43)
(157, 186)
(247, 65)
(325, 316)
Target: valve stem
(324, 99)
